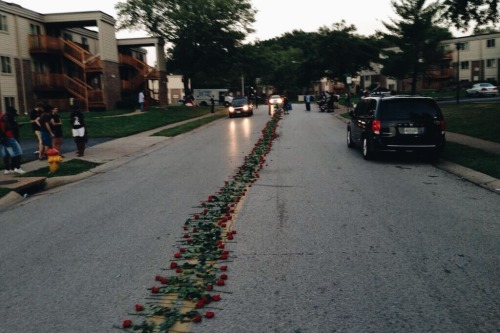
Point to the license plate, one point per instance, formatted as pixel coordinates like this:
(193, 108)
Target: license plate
(410, 130)
(238, 111)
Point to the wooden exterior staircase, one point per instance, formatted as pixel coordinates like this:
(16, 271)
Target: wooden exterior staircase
(77, 86)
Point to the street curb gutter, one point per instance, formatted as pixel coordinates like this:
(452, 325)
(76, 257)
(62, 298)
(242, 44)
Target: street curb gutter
(470, 175)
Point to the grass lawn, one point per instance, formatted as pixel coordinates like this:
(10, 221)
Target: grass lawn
(473, 158)
(474, 119)
(116, 124)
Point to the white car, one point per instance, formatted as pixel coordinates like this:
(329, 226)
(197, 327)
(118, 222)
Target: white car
(482, 89)
(275, 99)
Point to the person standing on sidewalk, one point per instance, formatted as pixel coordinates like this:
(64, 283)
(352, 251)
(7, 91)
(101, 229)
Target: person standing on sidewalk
(9, 147)
(212, 104)
(141, 100)
(78, 130)
(46, 130)
(56, 126)
(35, 126)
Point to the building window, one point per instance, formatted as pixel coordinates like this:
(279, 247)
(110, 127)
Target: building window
(490, 43)
(490, 63)
(3, 23)
(9, 101)
(464, 65)
(6, 65)
(35, 29)
(85, 41)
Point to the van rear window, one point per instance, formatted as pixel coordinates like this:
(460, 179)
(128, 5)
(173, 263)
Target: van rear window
(409, 109)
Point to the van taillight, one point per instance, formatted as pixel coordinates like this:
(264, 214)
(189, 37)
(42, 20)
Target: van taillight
(442, 126)
(376, 126)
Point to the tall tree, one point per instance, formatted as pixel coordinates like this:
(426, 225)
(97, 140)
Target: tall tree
(416, 38)
(203, 34)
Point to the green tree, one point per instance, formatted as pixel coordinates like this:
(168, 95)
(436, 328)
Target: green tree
(462, 12)
(202, 34)
(415, 37)
(342, 51)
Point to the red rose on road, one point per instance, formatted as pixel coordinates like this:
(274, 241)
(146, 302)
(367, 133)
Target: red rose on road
(197, 318)
(209, 314)
(223, 267)
(155, 289)
(173, 265)
(127, 323)
(200, 304)
(223, 276)
(220, 282)
(139, 307)
(177, 255)
(216, 298)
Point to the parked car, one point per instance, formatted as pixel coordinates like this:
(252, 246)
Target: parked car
(397, 123)
(240, 107)
(482, 89)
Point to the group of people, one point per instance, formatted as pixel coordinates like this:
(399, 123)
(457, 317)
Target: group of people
(47, 126)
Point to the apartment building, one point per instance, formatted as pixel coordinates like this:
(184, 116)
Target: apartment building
(466, 60)
(67, 58)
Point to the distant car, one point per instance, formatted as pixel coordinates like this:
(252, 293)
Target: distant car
(397, 123)
(275, 99)
(482, 89)
(240, 107)
(379, 91)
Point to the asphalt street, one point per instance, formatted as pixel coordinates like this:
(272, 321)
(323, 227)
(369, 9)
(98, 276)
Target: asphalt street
(326, 242)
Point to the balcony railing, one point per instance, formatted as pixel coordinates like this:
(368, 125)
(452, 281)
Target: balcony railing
(45, 44)
(48, 80)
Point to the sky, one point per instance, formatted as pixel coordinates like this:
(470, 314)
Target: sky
(274, 17)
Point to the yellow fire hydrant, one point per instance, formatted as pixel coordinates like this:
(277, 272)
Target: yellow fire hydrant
(54, 158)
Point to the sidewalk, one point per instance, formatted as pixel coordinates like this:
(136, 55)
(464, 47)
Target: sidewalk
(113, 153)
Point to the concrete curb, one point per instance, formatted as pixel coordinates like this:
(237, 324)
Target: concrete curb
(10, 199)
(470, 175)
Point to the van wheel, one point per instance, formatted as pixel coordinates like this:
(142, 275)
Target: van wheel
(368, 152)
(350, 144)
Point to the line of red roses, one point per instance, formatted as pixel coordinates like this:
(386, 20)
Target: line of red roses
(201, 258)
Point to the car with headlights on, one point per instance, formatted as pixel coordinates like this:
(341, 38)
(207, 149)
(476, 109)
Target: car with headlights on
(275, 99)
(397, 123)
(240, 106)
(482, 89)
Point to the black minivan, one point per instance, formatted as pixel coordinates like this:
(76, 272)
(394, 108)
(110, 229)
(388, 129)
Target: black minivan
(397, 123)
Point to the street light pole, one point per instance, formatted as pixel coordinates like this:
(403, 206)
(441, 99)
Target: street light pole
(459, 47)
